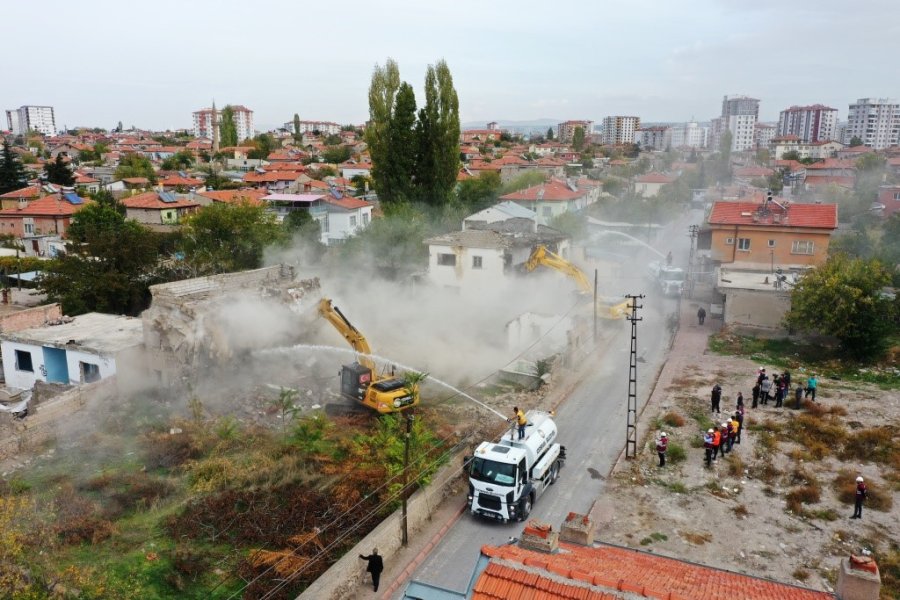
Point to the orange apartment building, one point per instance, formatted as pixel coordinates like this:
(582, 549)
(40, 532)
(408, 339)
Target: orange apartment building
(770, 234)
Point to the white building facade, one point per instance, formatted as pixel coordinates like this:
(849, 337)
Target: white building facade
(815, 123)
(323, 127)
(620, 129)
(689, 135)
(243, 122)
(875, 121)
(739, 116)
(654, 138)
(565, 132)
(26, 118)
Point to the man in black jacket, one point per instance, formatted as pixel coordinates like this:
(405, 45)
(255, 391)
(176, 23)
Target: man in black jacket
(376, 566)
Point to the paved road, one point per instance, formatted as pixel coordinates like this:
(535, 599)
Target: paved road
(591, 426)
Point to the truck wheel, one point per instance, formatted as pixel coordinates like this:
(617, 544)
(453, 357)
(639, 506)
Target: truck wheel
(554, 472)
(526, 507)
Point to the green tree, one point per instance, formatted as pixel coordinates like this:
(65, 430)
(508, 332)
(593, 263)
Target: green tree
(297, 134)
(362, 183)
(844, 298)
(401, 160)
(578, 139)
(523, 181)
(438, 158)
(791, 155)
(13, 175)
(477, 193)
(856, 141)
(870, 162)
(336, 154)
(227, 128)
(183, 159)
(222, 238)
(108, 266)
(301, 226)
(392, 245)
(382, 91)
(549, 134)
(58, 172)
(104, 197)
(135, 165)
(332, 139)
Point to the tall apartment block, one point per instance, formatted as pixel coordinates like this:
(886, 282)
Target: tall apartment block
(739, 116)
(26, 118)
(620, 129)
(815, 123)
(243, 122)
(566, 131)
(876, 121)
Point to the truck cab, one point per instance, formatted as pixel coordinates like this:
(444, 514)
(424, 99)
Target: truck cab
(669, 279)
(506, 477)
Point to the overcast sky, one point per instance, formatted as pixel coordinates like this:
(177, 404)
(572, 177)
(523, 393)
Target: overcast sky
(151, 63)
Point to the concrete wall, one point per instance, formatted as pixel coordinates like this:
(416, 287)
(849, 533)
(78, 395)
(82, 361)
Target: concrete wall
(30, 317)
(761, 253)
(344, 576)
(761, 310)
(25, 380)
(462, 275)
(19, 435)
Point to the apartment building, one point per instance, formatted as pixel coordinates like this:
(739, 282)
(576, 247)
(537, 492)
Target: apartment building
(620, 129)
(243, 121)
(654, 138)
(739, 116)
(765, 133)
(31, 118)
(815, 123)
(323, 127)
(566, 131)
(876, 121)
(690, 135)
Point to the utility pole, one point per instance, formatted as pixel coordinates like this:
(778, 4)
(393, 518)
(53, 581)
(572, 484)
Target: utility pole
(693, 233)
(631, 424)
(405, 494)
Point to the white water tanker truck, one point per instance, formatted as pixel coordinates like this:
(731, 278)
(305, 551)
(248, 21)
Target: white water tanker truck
(506, 477)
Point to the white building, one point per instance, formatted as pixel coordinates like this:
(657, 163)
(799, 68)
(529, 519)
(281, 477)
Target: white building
(620, 129)
(323, 127)
(345, 218)
(815, 123)
(876, 121)
(739, 116)
(565, 132)
(654, 138)
(765, 133)
(690, 135)
(88, 348)
(243, 122)
(38, 118)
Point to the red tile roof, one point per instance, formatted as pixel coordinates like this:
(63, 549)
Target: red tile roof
(270, 176)
(553, 190)
(612, 573)
(48, 206)
(347, 203)
(815, 216)
(84, 179)
(843, 181)
(176, 180)
(136, 180)
(31, 191)
(150, 200)
(655, 178)
(252, 196)
(833, 163)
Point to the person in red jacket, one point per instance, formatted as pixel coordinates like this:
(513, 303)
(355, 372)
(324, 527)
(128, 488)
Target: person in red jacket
(862, 493)
(662, 444)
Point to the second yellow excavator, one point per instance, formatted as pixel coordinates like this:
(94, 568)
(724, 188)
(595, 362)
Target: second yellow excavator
(359, 380)
(608, 308)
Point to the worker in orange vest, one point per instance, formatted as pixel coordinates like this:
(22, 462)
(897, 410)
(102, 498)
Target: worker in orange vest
(717, 441)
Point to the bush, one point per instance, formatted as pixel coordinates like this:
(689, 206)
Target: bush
(818, 435)
(78, 520)
(807, 494)
(735, 465)
(879, 498)
(676, 453)
(166, 451)
(878, 444)
(673, 419)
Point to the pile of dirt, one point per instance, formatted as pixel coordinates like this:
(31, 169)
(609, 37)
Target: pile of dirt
(778, 505)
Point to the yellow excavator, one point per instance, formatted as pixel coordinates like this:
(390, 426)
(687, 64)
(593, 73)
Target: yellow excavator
(608, 308)
(359, 380)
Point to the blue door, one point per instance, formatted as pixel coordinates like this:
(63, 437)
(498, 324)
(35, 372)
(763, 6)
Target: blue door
(55, 363)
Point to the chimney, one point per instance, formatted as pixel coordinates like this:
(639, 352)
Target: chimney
(578, 529)
(858, 579)
(540, 537)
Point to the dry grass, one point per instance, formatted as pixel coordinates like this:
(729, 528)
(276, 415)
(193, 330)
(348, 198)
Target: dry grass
(879, 498)
(735, 465)
(685, 383)
(696, 538)
(765, 472)
(740, 511)
(673, 419)
(877, 444)
(818, 409)
(800, 574)
(818, 435)
(766, 445)
(798, 496)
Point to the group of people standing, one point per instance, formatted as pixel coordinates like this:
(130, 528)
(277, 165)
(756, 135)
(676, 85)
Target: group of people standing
(721, 439)
(779, 387)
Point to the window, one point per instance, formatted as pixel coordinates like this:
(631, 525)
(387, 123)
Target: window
(547, 211)
(802, 247)
(476, 262)
(89, 372)
(365, 219)
(729, 241)
(353, 221)
(744, 244)
(896, 195)
(771, 243)
(446, 260)
(23, 361)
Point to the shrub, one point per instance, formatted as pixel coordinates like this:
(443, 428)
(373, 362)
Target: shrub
(673, 419)
(78, 520)
(818, 435)
(740, 511)
(676, 453)
(164, 450)
(735, 465)
(807, 494)
(878, 444)
(879, 498)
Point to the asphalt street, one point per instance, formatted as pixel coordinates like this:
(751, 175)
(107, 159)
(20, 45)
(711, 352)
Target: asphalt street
(592, 425)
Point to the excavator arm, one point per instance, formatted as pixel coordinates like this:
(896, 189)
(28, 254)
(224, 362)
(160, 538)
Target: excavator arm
(357, 340)
(609, 309)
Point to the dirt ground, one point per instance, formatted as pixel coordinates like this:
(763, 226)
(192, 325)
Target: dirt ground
(735, 514)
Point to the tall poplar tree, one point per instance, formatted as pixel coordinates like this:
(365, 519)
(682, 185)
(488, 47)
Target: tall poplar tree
(401, 157)
(12, 174)
(438, 131)
(227, 128)
(382, 91)
(578, 139)
(297, 135)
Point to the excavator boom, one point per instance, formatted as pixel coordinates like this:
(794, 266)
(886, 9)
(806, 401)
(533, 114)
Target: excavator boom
(357, 340)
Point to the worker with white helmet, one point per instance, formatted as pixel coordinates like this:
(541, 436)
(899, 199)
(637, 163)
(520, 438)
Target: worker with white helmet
(662, 445)
(708, 444)
(861, 494)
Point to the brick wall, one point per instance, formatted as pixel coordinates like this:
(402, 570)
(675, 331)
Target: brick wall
(30, 317)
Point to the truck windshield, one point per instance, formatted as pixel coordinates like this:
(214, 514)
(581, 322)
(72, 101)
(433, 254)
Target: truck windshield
(491, 471)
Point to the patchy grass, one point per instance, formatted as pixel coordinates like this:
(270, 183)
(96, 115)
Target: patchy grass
(673, 419)
(676, 453)
(697, 538)
(800, 574)
(818, 435)
(889, 565)
(876, 444)
(740, 511)
(805, 494)
(735, 465)
(766, 445)
(823, 514)
(879, 499)
(702, 418)
(677, 487)
(765, 471)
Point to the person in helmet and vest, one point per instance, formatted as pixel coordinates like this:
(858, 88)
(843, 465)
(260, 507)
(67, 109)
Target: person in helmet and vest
(662, 445)
(708, 445)
(862, 492)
